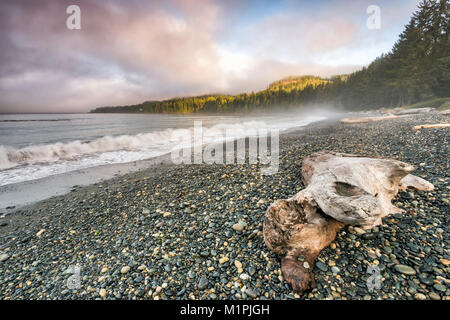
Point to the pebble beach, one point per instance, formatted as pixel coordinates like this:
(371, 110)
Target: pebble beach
(195, 231)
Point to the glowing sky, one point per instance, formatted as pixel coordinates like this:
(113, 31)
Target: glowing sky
(131, 51)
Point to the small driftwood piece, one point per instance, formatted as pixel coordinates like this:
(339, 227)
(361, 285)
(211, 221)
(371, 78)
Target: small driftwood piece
(341, 189)
(367, 119)
(432, 126)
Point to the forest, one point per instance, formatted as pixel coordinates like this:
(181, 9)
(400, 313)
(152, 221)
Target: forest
(416, 69)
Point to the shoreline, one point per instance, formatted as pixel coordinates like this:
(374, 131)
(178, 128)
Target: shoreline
(170, 226)
(34, 191)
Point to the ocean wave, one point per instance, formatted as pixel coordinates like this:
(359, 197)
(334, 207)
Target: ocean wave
(40, 161)
(36, 120)
(40, 154)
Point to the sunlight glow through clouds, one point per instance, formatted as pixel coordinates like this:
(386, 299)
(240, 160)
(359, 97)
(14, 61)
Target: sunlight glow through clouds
(129, 52)
(234, 62)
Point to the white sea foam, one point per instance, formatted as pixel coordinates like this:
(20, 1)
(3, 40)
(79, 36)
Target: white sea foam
(39, 161)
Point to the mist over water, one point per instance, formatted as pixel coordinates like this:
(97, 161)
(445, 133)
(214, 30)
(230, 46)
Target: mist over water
(34, 146)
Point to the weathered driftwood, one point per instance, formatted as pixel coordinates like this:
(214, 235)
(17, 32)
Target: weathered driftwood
(413, 111)
(432, 126)
(402, 111)
(445, 112)
(367, 119)
(341, 189)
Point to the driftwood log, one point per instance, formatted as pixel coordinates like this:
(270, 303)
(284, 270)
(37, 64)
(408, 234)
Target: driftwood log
(413, 111)
(432, 126)
(368, 119)
(340, 189)
(402, 111)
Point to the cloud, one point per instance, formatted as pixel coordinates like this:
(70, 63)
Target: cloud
(333, 35)
(137, 43)
(128, 52)
(258, 73)
(298, 36)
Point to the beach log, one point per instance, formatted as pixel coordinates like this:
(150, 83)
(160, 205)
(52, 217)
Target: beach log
(341, 189)
(432, 126)
(368, 119)
(413, 111)
(402, 111)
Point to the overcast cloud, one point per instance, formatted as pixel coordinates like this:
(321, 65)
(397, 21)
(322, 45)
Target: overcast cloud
(131, 51)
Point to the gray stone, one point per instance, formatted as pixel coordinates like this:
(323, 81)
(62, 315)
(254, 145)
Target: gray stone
(420, 296)
(426, 279)
(244, 276)
(322, 266)
(251, 270)
(4, 257)
(439, 287)
(335, 269)
(434, 296)
(203, 283)
(250, 293)
(406, 270)
(125, 269)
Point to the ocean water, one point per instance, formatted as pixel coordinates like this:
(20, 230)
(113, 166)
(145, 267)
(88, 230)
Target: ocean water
(34, 146)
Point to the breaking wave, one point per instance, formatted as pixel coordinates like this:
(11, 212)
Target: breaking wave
(38, 161)
(10, 157)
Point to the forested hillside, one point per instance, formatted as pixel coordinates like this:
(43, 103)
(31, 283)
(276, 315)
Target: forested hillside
(289, 91)
(416, 69)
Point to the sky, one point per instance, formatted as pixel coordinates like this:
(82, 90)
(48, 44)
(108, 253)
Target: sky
(127, 52)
